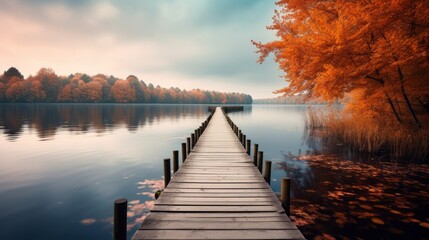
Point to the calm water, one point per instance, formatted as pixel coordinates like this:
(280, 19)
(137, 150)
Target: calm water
(62, 166)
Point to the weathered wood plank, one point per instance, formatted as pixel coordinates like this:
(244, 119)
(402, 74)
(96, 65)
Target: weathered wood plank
(218, 185)
(219, 195)
(183, 217)
(152, 224)
(212, 199)
(217, 234)
(220, 191)
(219, 215)
(220, 209)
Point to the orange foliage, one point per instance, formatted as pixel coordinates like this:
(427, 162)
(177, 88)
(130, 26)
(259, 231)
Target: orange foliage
(46, 86)
(122, 92)
(379, 48)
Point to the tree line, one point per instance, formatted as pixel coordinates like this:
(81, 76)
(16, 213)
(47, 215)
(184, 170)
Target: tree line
(46, 86)
(299, 99)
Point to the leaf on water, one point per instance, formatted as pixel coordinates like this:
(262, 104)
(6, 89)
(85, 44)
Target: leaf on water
(367, 207)
(340, 221)
(424, 224)
(395, 212)
(414, 220)
(377, 221)
(328, 236)
(380, 206)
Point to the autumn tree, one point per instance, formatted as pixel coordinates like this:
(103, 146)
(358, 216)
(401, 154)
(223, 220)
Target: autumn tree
(374, 51)
(122, 92)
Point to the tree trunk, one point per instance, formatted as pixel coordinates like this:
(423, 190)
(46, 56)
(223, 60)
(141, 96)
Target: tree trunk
(410, 107)
(407, 100)
(393, 108)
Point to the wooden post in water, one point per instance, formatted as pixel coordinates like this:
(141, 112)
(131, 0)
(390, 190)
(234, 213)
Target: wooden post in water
(175, 161)
(267, 172)
(255, 154)
(193, 140)
(196, 136)
(285, 195)
(244, 140)
(120, 219)
(188, 144)
(167, 172)
(260, 160)
(183, 152)
(248, 147)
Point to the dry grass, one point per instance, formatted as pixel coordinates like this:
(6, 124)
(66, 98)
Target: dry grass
(400, 143)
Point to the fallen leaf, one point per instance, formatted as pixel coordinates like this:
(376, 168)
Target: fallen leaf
(395, 212)
(424, 224)
(377, 221)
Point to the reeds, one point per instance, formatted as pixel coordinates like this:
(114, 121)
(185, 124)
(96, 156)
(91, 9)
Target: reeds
(397, 142)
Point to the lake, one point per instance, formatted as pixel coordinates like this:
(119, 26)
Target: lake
(63, 165)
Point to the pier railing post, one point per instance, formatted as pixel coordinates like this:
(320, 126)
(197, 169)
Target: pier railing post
(183, 152)
(285, 195)
(188, 144)
(255, 154)
(260, 160)
(267, 172)
(244, 140)
(196, 135)
(120, 219)
(175, 161)
(193, 140)
(167, 171)
(248, 147)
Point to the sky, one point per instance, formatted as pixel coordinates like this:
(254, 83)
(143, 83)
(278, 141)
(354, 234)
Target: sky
(188, 44)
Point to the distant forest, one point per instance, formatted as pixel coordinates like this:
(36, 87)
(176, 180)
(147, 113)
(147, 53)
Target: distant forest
(47, 87)
(288, 100)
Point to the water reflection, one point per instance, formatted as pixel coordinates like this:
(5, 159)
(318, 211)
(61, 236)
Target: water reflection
(46, 119)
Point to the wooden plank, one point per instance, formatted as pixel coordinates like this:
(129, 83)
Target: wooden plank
(202, 180)
(221, 191)
(220, 209)
(217, 234)
(212, 199)
(214, 225)
(219, 185)
(219, 215)
(183, 217)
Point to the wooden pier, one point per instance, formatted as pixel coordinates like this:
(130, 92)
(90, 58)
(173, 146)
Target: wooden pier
(218, 193)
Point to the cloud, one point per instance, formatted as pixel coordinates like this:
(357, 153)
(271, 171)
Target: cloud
(196, 43)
